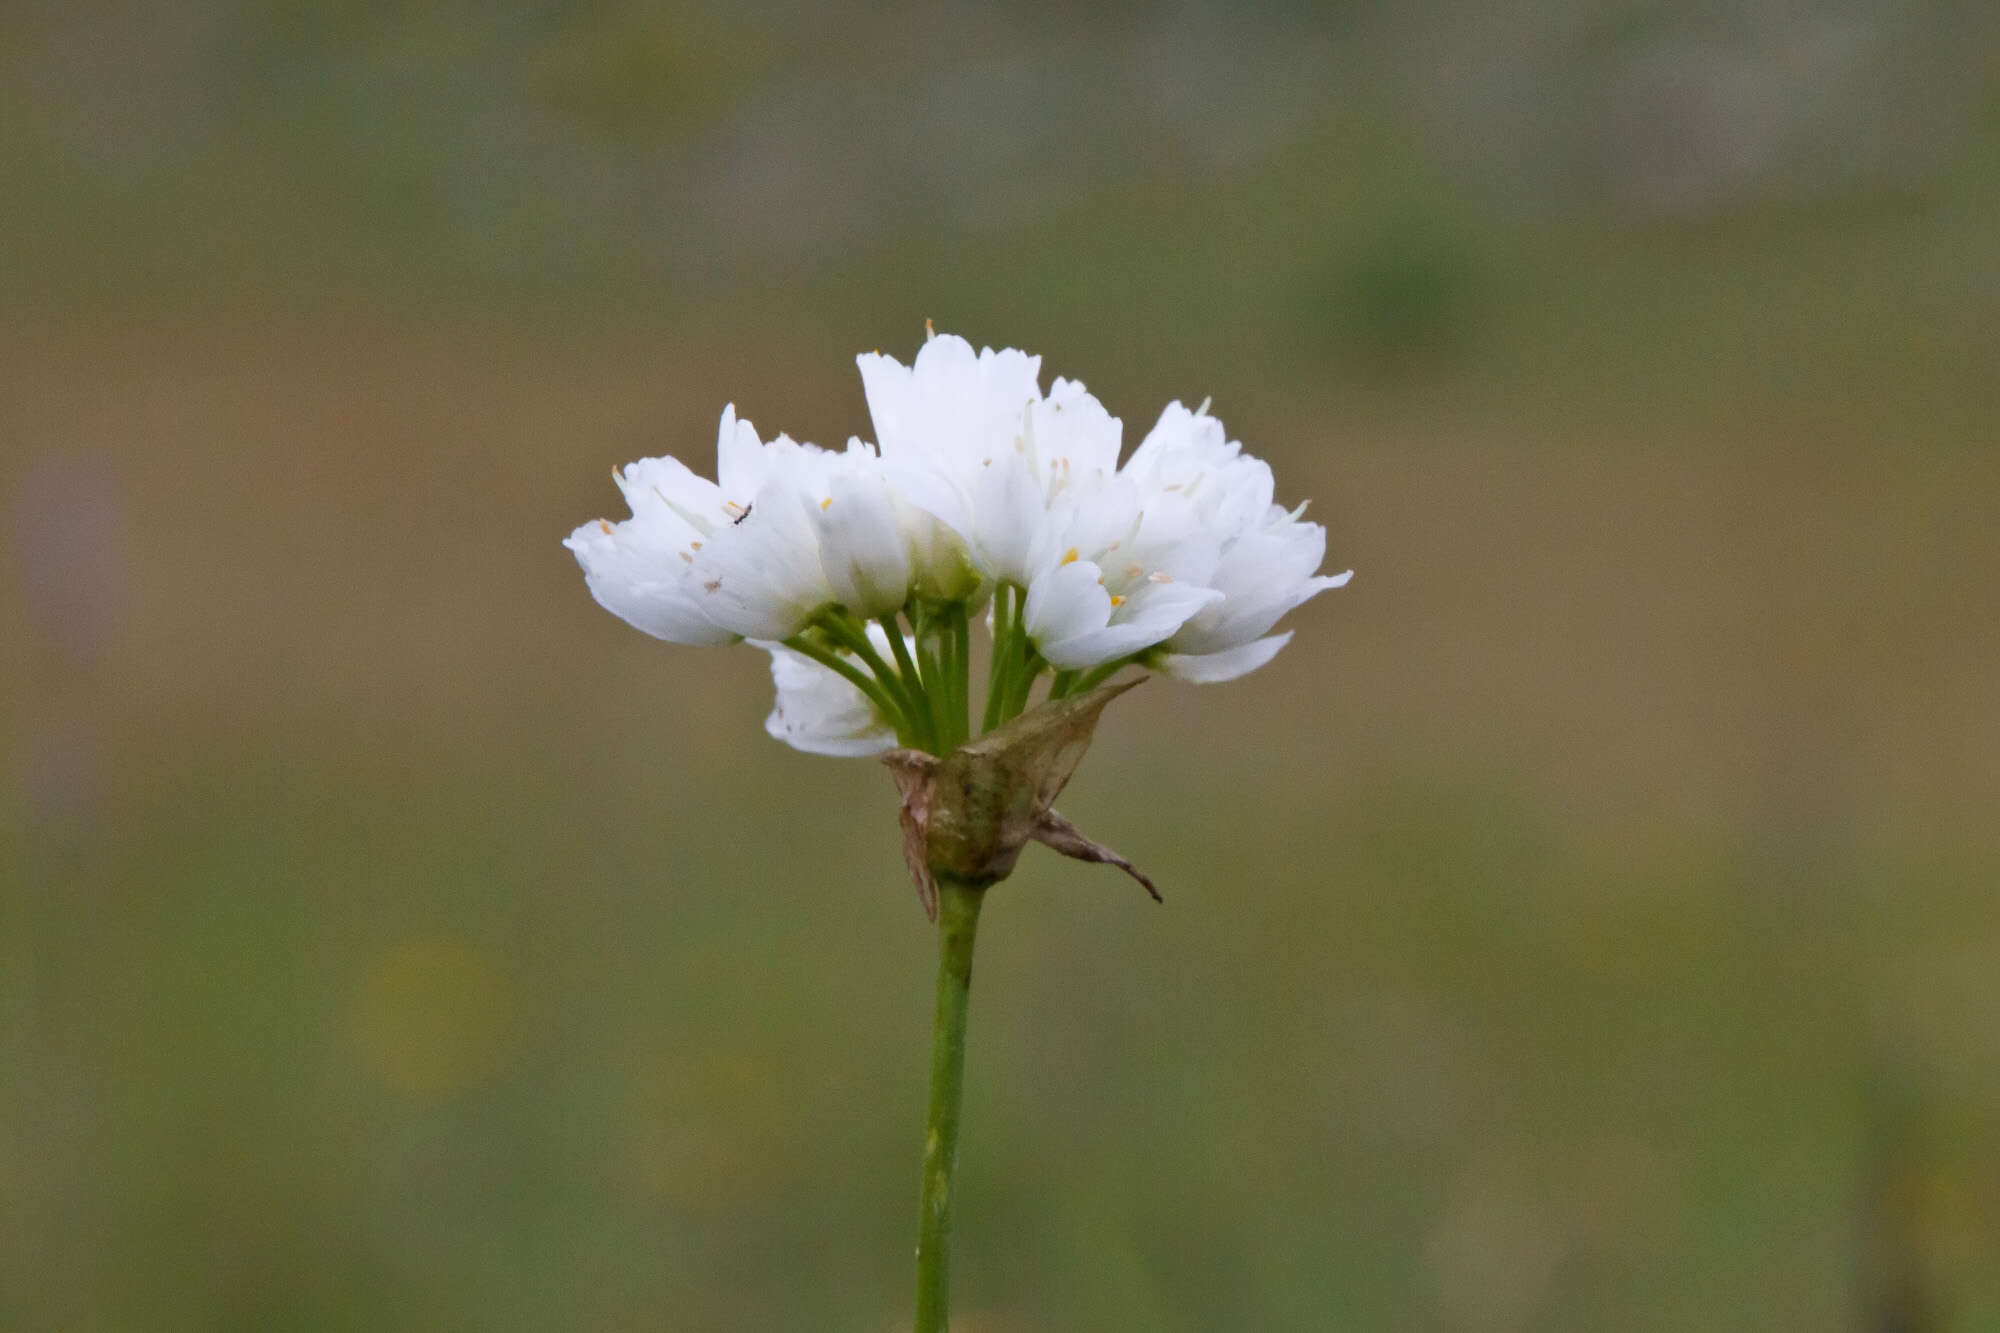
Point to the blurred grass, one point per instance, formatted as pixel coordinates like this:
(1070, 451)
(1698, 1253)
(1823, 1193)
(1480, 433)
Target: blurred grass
(1588, 921)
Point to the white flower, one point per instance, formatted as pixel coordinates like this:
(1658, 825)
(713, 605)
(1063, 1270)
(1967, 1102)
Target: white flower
(639, 569)
(970, 439)
(820, 712)
(758, 573)
(1188, 456)
(950, 404)
(864, 547)
(1268, 560)
(1114, 575)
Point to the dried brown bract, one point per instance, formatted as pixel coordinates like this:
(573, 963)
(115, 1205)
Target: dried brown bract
(967, 816)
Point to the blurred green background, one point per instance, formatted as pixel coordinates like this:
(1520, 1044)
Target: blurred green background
(1590, 922)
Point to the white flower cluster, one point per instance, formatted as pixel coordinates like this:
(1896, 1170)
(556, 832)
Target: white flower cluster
(981, 492)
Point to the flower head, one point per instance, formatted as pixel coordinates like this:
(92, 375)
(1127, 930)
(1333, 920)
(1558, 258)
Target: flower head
(859, 570)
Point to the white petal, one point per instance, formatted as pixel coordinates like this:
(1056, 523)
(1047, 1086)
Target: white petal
(1210, 668)
(950, 405)
(740, 463)
(1147, 617)
(1066, 601)
(925, 484)
(761, 576)
(664, 488)
(1239, 619)
(1008, 510)
(862, 546)
(820, 712)
(1076, 440)
(642, 580)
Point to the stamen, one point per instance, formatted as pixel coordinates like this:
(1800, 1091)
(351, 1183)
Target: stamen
(694, 546)
(1158, 576)
(605, 525)
(930, 331)
(685, 556)
(1069, 556)
(732, 507)
(825, 504)
(712, 585)
(1116, 600)
(1134, 571)
(1202, 411)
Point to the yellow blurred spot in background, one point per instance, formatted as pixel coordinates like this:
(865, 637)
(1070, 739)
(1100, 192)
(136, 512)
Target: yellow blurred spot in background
(431, 1018)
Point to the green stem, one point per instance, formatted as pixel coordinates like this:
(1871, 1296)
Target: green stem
(903, 677)
(998, 674)
(930, 662)
(948, 673)
(961, 673)
(958, 924)
(1024, 678)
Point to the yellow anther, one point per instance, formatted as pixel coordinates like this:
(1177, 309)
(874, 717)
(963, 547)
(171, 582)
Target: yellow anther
(823, 504)
(1069, 555)
(605, 524)
(1134, 571)
(930, 331)
(1116, 601)
(1159, 577)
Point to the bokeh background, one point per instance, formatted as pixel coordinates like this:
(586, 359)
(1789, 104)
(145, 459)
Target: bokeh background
(1590, 922)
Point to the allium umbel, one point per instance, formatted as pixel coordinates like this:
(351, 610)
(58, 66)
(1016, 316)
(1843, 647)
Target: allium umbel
(861, 571)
